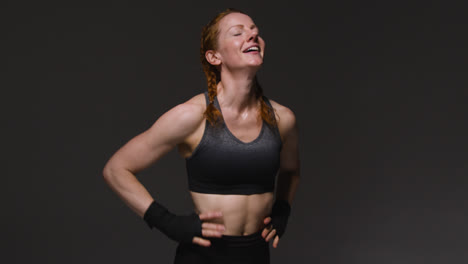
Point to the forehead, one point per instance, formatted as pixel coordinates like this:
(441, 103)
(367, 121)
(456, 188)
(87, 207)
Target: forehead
(235, 19)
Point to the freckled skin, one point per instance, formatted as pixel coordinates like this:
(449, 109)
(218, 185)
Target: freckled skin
(242, 214)
(183, 126)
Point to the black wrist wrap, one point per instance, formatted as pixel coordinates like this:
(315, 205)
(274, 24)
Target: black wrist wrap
(179, 228)
(279, 216)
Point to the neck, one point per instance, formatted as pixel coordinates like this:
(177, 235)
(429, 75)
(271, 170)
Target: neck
(236, 92)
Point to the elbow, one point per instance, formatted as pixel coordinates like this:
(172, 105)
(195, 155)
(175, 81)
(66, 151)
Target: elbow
(294, 176)
(292, 172)
(113, 174)
(107, 173)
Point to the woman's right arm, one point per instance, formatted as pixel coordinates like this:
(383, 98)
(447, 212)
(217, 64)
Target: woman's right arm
(172, 128)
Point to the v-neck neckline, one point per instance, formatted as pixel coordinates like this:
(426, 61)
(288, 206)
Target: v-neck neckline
(232, 135)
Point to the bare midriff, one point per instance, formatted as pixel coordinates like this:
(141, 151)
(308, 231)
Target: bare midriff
(242, 214)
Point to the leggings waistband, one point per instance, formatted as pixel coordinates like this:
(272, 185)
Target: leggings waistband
(239, 241)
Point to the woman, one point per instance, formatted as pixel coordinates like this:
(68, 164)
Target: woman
(235, 142)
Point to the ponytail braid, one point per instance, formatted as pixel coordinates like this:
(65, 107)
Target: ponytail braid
(212, 114)
(209, 39)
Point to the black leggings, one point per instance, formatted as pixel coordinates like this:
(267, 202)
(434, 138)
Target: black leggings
(250, 249)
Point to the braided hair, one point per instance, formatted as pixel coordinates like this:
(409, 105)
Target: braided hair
(209, 41)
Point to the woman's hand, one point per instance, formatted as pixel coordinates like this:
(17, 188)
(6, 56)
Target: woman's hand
(276, 223)
(209, 229)
(269, 232)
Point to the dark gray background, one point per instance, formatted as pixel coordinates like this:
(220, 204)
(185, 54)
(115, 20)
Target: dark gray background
(379, 91)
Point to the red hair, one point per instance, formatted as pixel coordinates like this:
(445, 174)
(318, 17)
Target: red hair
(209, 41)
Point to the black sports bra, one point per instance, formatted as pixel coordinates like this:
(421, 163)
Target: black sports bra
(223, 164)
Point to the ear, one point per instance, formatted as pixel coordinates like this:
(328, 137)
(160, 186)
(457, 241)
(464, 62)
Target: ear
(212, 57)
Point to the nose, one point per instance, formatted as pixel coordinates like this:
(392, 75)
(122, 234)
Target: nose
(253, 35)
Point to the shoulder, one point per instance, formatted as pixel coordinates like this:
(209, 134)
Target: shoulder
(182, 119)
(285, 117)
(191, 109)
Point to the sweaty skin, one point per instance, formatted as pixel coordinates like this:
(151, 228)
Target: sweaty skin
(183, 127)
(241, 214)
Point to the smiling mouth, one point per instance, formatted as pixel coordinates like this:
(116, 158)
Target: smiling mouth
(252, 49)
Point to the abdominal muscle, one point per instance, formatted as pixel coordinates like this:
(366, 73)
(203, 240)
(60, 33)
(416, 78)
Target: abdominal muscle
(242, 214)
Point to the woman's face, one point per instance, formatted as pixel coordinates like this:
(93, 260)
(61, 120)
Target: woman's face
(239, 44)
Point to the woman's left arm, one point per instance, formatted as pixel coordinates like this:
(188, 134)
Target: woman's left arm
(288, 176)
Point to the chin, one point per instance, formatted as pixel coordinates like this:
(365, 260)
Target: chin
(257, 63)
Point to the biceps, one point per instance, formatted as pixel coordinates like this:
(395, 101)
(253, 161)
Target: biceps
(140, 152)
(169, 130)
(289, 157)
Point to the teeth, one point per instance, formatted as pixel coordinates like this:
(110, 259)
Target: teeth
(253, 48)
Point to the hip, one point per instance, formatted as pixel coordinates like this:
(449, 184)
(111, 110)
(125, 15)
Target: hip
(226, 249)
